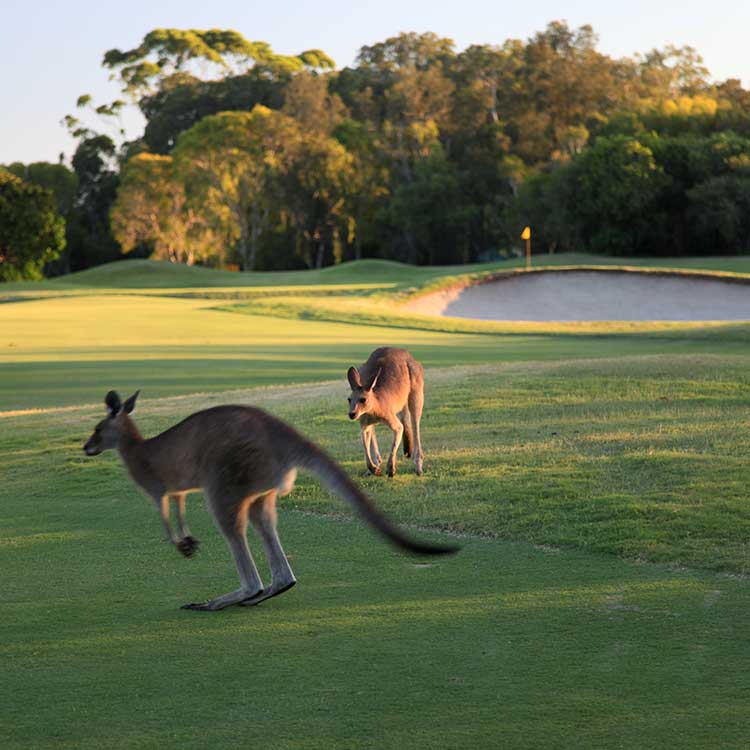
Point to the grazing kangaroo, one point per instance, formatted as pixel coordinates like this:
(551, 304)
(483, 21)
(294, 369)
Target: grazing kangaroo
(396, 401)
(243, 459)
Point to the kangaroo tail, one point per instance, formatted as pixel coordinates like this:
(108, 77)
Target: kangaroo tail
(338, 482)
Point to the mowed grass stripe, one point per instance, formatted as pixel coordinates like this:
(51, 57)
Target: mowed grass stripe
(643, 457)
(64, 351)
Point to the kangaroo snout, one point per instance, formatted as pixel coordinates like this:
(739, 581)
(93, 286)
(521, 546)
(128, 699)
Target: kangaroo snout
(352, 415)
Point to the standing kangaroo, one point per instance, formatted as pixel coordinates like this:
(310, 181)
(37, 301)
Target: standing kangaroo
(243, 459)
(397, 401)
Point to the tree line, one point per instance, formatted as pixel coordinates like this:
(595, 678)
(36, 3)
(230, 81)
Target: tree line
(416, 152)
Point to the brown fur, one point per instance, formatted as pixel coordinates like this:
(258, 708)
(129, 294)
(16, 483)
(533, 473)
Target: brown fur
(243, 458)
(388, 389)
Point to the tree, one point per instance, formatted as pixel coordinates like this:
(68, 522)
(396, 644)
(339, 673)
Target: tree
(432, 212)
(56, 178)
(152, 208)
(228, 161)
(367, 184)
(63, 184)
(719, 215)
(314, 191)
(183, 99)
(89, 235)
(32, 232)
(544, 202)
(616, 183)
(308, 100)
(163, 52)
(414, 152)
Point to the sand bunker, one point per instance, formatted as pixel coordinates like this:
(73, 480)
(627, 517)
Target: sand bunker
(592, 295)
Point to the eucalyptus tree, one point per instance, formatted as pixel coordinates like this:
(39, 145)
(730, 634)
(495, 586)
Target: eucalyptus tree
(163, 52)
(229, 163)
(314, 190)
(152, 208)
(368, 184)
(178, 76)
(308, 99)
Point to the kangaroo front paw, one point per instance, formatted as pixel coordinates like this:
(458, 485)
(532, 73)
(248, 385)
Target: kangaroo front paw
(188, 546)
(391, 471)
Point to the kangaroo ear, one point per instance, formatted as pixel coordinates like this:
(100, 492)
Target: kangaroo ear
(375, 379)
(353, 376)
(113, 403)
(129, 405)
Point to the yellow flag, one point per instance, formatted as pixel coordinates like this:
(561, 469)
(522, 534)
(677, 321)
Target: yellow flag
(526, 234)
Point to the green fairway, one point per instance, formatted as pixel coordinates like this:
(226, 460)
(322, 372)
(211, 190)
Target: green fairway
(597, 480)
(62, 351)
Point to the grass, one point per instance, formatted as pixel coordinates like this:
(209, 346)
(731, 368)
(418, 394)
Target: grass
(147, 275)
(64, 351)
(597, 480)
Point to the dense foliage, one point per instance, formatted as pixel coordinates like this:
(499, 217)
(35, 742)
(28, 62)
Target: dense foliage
(32, 232)
(416, 152)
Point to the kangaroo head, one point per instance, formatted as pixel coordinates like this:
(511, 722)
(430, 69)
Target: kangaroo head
(362, 399)
(108, 432)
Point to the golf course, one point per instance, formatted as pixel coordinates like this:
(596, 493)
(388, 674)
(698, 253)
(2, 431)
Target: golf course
(596, 475)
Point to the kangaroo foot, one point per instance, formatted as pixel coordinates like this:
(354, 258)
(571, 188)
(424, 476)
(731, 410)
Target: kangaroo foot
(221, 602)
(188, 546)
(267, 594)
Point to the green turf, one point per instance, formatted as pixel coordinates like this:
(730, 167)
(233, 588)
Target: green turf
(598, 479)
(68, 350)
(550, 647)
(148, 274)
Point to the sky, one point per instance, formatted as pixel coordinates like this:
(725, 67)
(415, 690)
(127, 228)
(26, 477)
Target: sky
(52, 51)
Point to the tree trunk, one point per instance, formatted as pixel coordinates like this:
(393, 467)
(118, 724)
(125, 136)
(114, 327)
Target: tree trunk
(357, 240)
(493, 106)
(243, 244)
(321, 252)
(412, 245)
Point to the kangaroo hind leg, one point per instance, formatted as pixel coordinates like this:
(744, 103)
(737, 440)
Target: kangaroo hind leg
(231, 518)
(416, 403)
(262, 515)
(405, 418)
(398, 431)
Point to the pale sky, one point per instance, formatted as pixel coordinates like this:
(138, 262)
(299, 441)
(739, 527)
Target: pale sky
(52, 51)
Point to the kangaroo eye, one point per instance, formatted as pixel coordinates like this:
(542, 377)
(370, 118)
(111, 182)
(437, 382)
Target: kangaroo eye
(362, 400)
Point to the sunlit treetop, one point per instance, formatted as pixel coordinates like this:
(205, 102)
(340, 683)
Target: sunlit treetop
(166, 51)
(407, 49)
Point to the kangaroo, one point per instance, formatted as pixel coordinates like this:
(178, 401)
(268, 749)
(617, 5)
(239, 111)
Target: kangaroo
(243, 459)
(397, 401)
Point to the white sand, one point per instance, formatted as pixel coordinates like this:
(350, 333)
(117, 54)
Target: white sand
(592, 295)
